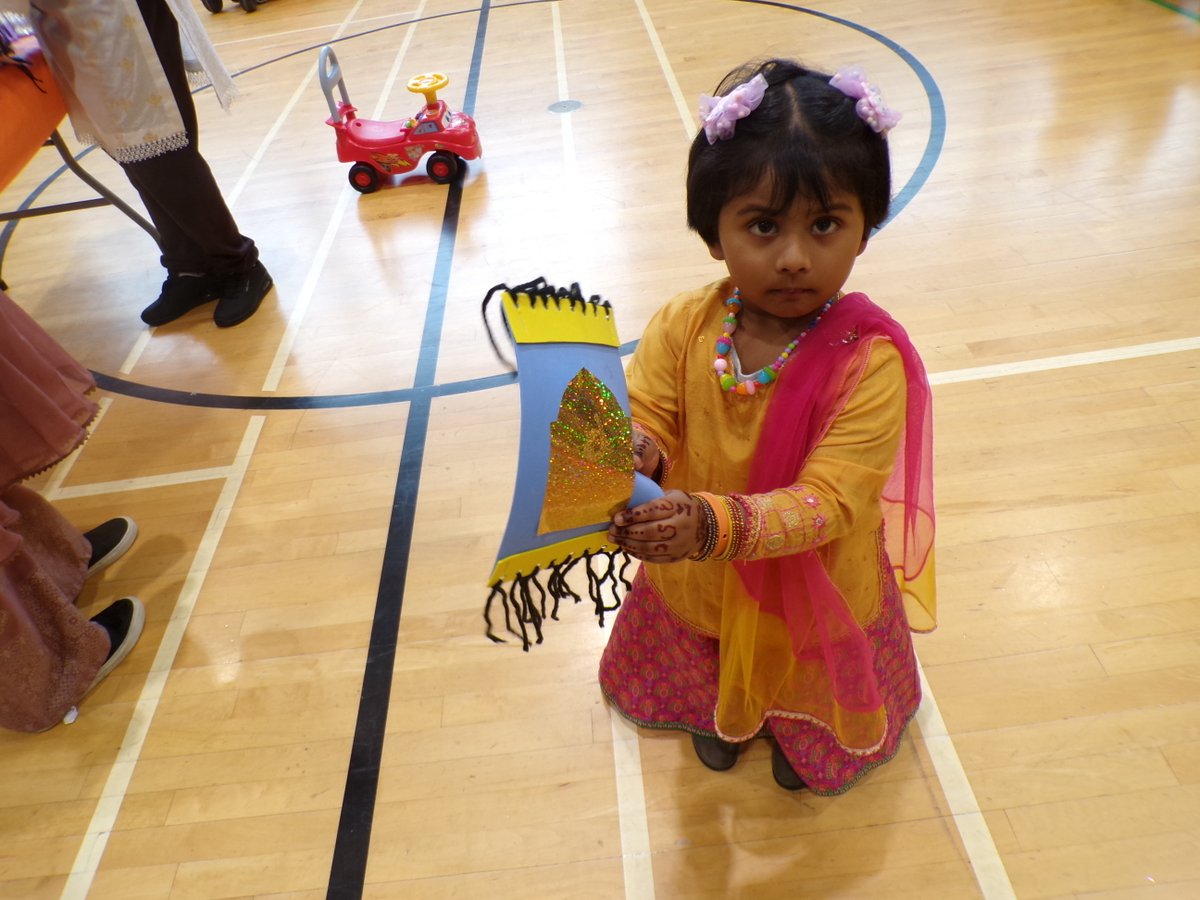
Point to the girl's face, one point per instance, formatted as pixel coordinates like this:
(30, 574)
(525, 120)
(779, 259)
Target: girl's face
(788, 264)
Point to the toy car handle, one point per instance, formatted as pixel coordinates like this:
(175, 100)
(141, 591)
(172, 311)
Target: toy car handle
(428, 84)
(330, 74)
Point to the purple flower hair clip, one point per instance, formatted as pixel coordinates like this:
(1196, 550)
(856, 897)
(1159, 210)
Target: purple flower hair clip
(852, 81)
(720, 114)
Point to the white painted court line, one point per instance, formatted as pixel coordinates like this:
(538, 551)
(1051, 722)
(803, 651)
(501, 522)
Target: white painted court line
(283, 352)
(688, 112)
(569, 191)
(53, 488)
(393, 74)
(140, 343)
(564, 93)
(636, 858)
(631, 810)
(636, 861)
(977, 839)
(1071, 360)
(985, 861)
(95, 839)
(280, 34)
(99, 488)
(981, 849)
(287, 342)
(306, 84)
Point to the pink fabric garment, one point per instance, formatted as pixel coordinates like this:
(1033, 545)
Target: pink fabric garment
(43, 402)
(797, 588)
(662, 673)
(49, 651)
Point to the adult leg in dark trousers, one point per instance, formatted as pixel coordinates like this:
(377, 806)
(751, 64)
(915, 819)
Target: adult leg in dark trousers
(205, 255)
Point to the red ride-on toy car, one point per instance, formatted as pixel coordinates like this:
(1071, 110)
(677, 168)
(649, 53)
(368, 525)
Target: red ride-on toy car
(393, 148)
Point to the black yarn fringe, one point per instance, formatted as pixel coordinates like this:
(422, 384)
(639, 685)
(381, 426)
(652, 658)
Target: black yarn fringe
(541, 291)
(528, 600)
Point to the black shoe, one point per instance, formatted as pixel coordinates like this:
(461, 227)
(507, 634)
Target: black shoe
(715, 753)
(240, 296)
(109, 542)
(180, 295)
(123, 621)
(785, 775)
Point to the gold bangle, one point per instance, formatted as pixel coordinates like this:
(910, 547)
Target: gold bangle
(736, 528)
(710, 530)
(721, 513)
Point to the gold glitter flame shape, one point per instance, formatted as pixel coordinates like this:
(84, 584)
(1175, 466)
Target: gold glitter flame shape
(591, 457)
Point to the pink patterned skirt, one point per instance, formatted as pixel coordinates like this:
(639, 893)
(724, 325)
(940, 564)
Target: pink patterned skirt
(661, 673)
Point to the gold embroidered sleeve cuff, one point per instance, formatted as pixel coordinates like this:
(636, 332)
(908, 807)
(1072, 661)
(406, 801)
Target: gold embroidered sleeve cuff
(780, 523)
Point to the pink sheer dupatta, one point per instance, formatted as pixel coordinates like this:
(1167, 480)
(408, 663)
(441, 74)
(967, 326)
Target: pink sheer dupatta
(808, 397)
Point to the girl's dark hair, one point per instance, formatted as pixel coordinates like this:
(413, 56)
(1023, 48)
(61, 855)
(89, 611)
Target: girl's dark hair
(805, 136)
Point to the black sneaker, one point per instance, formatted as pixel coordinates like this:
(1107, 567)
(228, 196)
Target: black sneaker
(109, 542)
(785, 775)
(719, 755)
(123, 621)
(180, 295)
(240, 296)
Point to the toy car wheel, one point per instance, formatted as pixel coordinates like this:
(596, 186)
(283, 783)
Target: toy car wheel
(364, 178)
(249, 5)
(442, 167)
(213, 6)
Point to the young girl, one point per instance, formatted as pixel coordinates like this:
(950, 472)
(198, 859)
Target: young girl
(788, 422)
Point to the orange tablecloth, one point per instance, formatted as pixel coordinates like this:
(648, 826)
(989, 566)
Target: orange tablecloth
(27, 116)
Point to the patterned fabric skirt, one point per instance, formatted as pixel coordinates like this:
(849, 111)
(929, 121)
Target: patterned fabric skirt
(661, 673)
(49, 651)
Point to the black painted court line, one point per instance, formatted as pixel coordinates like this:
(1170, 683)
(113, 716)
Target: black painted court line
(266, 402)
(425, 389)
(352, 844)
(351, 850)
(348, 869)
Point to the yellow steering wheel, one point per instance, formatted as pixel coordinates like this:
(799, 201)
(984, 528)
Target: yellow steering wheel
(428, 84)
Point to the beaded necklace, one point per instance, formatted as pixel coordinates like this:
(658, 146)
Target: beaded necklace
(768, 373)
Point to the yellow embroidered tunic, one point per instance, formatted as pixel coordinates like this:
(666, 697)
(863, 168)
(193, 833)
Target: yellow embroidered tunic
(709, 438)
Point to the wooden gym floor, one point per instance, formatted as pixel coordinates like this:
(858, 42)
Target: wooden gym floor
(314, 710)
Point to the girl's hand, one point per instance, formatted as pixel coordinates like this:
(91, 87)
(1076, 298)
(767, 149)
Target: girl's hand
(667, 529)
(646, 455)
